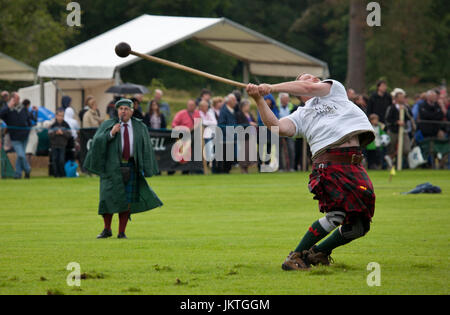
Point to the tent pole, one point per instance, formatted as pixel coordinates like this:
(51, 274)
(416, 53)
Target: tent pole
(42, 91)
(246, 76)
(117, 78)
(83, 97)
(56, 100)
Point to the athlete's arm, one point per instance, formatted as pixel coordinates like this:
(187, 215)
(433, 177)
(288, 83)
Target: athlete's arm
(297, 88)
(286, 126)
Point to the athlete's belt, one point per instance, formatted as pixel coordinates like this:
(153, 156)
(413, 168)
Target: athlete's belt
(344, 159)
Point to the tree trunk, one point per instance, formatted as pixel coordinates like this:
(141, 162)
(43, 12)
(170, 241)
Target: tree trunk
(356, 64)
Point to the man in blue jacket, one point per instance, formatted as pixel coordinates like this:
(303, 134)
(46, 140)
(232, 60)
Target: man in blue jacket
(227, 117)
(270, 101)
(16, 117)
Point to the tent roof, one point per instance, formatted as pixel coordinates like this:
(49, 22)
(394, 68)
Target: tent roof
(14, 70)
(96, 59)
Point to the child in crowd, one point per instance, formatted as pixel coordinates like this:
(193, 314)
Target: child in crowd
(375, 149)
(59, 135)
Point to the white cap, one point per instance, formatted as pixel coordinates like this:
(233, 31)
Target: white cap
(397, 90)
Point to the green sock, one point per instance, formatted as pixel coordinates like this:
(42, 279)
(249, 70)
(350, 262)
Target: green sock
(335, 240)
(315, 233)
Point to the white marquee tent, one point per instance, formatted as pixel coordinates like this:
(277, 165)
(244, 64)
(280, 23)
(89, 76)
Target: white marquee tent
(96, 59)
(76, 89)
(14, 70)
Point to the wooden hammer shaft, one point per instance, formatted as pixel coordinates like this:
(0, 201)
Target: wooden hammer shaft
(188, 69)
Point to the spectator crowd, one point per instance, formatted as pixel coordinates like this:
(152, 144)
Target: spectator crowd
(426, 120)
(426, 125)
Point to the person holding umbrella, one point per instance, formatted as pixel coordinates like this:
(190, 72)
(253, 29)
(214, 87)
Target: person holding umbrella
(127, 88)
(136, 109)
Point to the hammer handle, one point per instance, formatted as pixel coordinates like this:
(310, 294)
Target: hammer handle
(189, 69)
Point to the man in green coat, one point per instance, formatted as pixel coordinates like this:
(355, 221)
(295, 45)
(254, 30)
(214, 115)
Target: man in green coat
(122, 155)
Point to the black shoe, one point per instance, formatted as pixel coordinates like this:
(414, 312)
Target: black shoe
(122, 235)
(105, 234)
(27, 175)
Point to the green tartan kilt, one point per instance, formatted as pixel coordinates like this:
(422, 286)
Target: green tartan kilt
(131, 187)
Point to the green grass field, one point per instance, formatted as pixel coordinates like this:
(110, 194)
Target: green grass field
(219, 235)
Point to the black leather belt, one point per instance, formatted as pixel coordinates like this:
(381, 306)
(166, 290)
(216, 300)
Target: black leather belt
(344, 159)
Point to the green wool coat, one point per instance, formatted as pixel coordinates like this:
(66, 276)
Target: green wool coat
(104, 159)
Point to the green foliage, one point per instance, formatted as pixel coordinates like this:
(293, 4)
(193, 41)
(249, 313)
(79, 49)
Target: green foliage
(410, 47)
(102, 15)
(322, 31)
(156, 84)
(32, 31)
(437, 58)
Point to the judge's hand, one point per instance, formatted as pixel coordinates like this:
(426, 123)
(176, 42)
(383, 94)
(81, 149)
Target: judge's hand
(115, 129)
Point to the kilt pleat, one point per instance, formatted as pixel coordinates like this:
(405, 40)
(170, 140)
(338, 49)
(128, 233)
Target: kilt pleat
(343, 186)
(132, 186)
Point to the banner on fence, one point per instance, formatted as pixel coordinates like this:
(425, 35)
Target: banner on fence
(6, 169)
(162, 143)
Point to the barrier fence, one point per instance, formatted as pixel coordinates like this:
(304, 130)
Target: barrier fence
(163, 143)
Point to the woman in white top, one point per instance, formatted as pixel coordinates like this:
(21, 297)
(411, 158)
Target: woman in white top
(208, 119)
(209, 123)
(69, 115)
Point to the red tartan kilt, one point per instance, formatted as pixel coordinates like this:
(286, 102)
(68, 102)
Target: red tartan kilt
(343, 186)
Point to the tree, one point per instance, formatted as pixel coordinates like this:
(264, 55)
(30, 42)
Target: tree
(321, 31)
(411, 46)
(356, 67)
(32, 31)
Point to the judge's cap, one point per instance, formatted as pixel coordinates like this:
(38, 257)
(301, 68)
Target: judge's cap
(124, 102)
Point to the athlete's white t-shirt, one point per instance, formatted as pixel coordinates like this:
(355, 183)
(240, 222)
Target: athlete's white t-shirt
(329, 120)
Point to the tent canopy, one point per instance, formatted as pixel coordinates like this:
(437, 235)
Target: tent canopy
(14, 70)
(76, 89)
(96, 59)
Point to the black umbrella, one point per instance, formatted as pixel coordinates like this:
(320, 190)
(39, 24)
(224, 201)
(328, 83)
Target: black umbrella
(127, 88)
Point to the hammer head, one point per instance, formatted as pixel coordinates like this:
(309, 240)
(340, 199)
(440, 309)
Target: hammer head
(123, 50)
